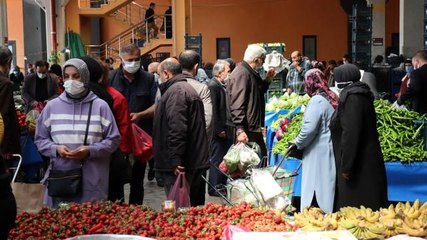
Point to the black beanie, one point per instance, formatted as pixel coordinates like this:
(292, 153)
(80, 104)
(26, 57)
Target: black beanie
(95, 69)
(346, 73)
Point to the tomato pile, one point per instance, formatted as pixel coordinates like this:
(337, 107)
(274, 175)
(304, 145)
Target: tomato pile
(206, 222)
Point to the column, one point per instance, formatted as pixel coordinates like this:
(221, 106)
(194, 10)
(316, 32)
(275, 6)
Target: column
(411, 26)
(181, 23)
(3, 23)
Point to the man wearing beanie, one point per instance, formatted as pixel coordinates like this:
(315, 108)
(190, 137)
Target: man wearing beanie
(139, 89)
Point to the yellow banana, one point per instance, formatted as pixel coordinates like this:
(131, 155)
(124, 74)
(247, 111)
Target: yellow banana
(414, 232)
(424, 206)
(377, 228)
(374, 217)
(415, 214)
(416, 204)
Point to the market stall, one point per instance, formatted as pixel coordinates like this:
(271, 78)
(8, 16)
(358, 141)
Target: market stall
(402, 141)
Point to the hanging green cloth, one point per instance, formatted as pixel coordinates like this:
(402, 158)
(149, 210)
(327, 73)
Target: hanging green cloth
(74, 44)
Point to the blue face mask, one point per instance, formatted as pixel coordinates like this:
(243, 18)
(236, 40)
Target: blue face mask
(409, 69)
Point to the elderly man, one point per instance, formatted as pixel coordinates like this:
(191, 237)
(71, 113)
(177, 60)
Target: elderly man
(39, 87)
(189, 60)
(179, 138)
(245, 97)
(297, 70)
(222, 139)
(139, 89)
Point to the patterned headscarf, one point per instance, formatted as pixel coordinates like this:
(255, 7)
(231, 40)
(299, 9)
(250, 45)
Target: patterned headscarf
(316, 83)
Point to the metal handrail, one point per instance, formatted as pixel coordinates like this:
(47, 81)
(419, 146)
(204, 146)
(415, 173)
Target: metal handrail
(111, 48)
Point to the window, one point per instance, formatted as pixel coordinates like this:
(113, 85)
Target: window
(309, 45)
(222, 48)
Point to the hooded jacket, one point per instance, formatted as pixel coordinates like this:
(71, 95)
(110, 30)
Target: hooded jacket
(179, 136)
(63, 122)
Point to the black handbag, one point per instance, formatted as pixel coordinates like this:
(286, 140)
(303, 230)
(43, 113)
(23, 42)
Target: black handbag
(67, 183)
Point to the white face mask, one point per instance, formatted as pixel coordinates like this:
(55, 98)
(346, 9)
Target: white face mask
(41, 75)
(74, 87)
(131, 67)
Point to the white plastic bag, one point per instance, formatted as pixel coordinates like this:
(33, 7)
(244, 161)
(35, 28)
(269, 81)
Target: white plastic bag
(265, 184)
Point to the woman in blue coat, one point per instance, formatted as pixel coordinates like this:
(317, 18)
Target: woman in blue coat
(318, 162)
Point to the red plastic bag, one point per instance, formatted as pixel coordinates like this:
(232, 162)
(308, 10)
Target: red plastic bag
(179, 192)
(142, 144)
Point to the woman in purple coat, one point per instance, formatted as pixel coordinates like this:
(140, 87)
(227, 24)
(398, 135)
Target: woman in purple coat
(61, 129)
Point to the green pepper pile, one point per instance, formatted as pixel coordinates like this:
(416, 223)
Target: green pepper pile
(400, 138)
(291, 133)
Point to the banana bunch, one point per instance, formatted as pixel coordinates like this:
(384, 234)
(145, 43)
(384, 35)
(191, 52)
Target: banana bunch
(356, 221)
(362, 229)
(414, 218)
(314, 220)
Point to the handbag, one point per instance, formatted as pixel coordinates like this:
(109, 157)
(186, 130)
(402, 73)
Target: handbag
(68, 183)
(142, 144)
(179, 192)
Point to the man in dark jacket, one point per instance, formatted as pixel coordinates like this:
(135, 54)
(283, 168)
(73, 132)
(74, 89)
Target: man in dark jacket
(221, 138)
(8, 145)
(179, 138)
(139, 89)
(39, 87)
(245, 97)
(417, 89)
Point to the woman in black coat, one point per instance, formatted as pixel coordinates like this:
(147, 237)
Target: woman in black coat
(361, 176)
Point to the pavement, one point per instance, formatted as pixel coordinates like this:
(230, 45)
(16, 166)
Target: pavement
(155, 195)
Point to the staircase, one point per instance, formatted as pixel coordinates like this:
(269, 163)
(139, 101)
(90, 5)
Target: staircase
(100, 7)
(137, 34)
(130, 13)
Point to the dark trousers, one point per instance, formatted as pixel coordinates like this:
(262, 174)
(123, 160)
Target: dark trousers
(120, 174)
(7, 213)
(195, 181)
(219, 147)
(136, 195)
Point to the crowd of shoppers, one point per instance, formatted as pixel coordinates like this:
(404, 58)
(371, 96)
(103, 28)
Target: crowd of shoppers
(193, 124)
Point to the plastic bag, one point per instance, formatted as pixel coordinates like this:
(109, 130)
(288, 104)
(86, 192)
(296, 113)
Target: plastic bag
(242, 157)
(229, 231)
(265, 183)
(179, 192)
(142, 144)
(243, 190)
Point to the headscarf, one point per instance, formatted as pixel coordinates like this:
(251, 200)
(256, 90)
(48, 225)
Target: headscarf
(95, 74)
(315, 83)
(346, 73)
(82, 68)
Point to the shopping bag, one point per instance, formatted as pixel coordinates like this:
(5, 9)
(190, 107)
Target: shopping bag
(142, 144)
(230, 230)
(180, 192)
(29, 196)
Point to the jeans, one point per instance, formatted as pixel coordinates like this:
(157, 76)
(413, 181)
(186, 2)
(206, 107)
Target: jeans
(195, 181)
(219, 147)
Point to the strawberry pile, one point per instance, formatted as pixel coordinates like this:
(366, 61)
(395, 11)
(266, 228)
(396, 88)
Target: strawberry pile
(206, 222)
